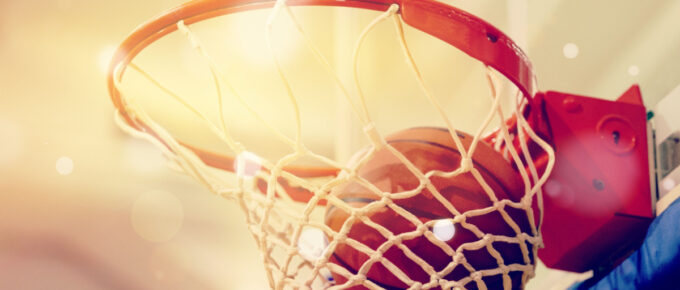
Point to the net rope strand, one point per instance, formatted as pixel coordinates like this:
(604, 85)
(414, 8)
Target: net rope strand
(278, 226)
(218, 77)
(495, 107)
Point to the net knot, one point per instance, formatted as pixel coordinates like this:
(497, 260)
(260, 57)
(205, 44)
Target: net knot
(459, 258)
(321, 194)
(466, 164)
(422, 228)
(476, 276)
(357, 214)
(357, 279)
(376, 256)
(341, 239)
(526, 200)
(387, 200)
(436, 277)
(396, 240)
(522, 237)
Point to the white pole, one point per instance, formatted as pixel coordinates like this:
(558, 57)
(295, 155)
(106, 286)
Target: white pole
(345, 31)
(518, 30)
(518, 22)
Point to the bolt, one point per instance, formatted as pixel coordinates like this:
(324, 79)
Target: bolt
(598, 184)
(571, 105)
(617, 136)
(493, 38)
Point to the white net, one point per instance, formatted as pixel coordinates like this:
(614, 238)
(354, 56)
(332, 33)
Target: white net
(425, 208)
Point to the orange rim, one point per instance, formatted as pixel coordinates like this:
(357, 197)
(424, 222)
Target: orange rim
(473, 36)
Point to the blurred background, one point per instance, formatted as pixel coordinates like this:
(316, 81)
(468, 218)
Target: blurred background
(84, 206)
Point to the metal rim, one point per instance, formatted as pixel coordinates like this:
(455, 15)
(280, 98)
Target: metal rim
(470, 34)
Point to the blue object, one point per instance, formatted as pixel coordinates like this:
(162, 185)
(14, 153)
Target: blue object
(656, 265)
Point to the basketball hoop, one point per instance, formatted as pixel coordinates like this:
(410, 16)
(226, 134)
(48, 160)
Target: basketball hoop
(468, 216)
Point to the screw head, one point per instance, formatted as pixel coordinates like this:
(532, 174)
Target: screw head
(617, 134)
(598, 184)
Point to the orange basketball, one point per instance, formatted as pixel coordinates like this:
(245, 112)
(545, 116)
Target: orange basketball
(430, 149)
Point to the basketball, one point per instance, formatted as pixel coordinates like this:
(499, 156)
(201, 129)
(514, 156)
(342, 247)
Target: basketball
(430, 149)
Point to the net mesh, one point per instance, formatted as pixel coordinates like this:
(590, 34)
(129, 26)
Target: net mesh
(297, 246)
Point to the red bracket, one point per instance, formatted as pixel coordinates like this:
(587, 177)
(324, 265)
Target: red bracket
(598, 203)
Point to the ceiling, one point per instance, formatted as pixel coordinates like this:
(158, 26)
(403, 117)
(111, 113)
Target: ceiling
(77, 192)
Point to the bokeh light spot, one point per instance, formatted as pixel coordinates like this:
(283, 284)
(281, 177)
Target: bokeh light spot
(552, 188)
(668, 184)
(633, 70)
(157, 216)
(64, 165)
(444, 230)
(312, 244)
(570, 50)
(247, 165)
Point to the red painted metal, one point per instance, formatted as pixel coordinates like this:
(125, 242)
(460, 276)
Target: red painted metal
(598, 202)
